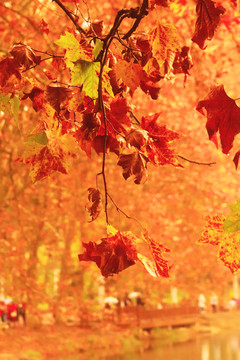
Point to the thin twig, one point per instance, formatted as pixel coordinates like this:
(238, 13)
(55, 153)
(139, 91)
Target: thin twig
(197, 162)
(71, 17)
(122, 212)
(50, 57)
(134, 13)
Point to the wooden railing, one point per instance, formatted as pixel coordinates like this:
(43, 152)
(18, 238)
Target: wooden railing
(133, 316)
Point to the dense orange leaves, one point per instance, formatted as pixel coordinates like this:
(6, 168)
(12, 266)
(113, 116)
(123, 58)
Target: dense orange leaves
(85, 89)
(118, 251)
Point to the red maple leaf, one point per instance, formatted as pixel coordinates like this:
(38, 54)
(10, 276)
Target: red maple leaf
(223, 115)
(56, 95)
(24, 56)
(87, 132)
(94, 207)
(8, 68)
(118, 120)
(208, 19)
(37, 97)
(134, 164)
(114, 254)
(112, 144)
(159, 151)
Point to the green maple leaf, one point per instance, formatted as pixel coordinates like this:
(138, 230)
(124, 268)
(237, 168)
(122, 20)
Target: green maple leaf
(86, 73)
(75, 51)
(232, 222)
(10, 106)
(40, 138)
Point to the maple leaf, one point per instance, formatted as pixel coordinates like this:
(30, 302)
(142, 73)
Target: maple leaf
(95, 206)
(134, 164)
(96, 28)
(223, 115)
(137, 138)
(37, 97)
(114, 254)
(8, 68)
(87, 132)
(56, 95)
(10, 106)
(118, 121)
(24, 56)
(161, 267)
(150, 88)
(183, 61)
(232, 221)
(131, 74)
(159, 151)
(47, 153)
(85, 73)
(74, 50)
(208, 19)
(229, 244)
(112, 144)
(162, 38)
(213, 230)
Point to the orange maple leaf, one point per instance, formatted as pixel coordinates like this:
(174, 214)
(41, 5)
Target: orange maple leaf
(229, 244)
(160, 265)
(44, 159)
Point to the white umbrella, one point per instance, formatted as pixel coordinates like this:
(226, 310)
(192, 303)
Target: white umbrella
(110, 300)
(134, 294)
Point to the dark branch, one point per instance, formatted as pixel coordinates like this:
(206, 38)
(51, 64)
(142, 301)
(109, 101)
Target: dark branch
(196, 162)
(71, 17)
(143, 12)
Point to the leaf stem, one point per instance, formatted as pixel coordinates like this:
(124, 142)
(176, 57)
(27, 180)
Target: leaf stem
(196, 162)
(122, 212)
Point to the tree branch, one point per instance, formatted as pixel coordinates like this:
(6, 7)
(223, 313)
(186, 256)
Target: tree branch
(196, 162)
(71, 17)
(142, 12)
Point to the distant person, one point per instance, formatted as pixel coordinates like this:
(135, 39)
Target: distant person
(127, 301)
(3, 311)
(214, 302)
(140, 301)
(21, 313)
(201, 303)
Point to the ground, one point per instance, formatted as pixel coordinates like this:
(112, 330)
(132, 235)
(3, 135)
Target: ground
(101, 341)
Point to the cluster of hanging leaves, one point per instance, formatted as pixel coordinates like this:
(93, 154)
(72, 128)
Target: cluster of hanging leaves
(224, 232)
(86, 105)
(118, 251)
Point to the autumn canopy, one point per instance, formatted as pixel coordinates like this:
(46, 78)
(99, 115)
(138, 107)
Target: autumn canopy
(84, 93)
